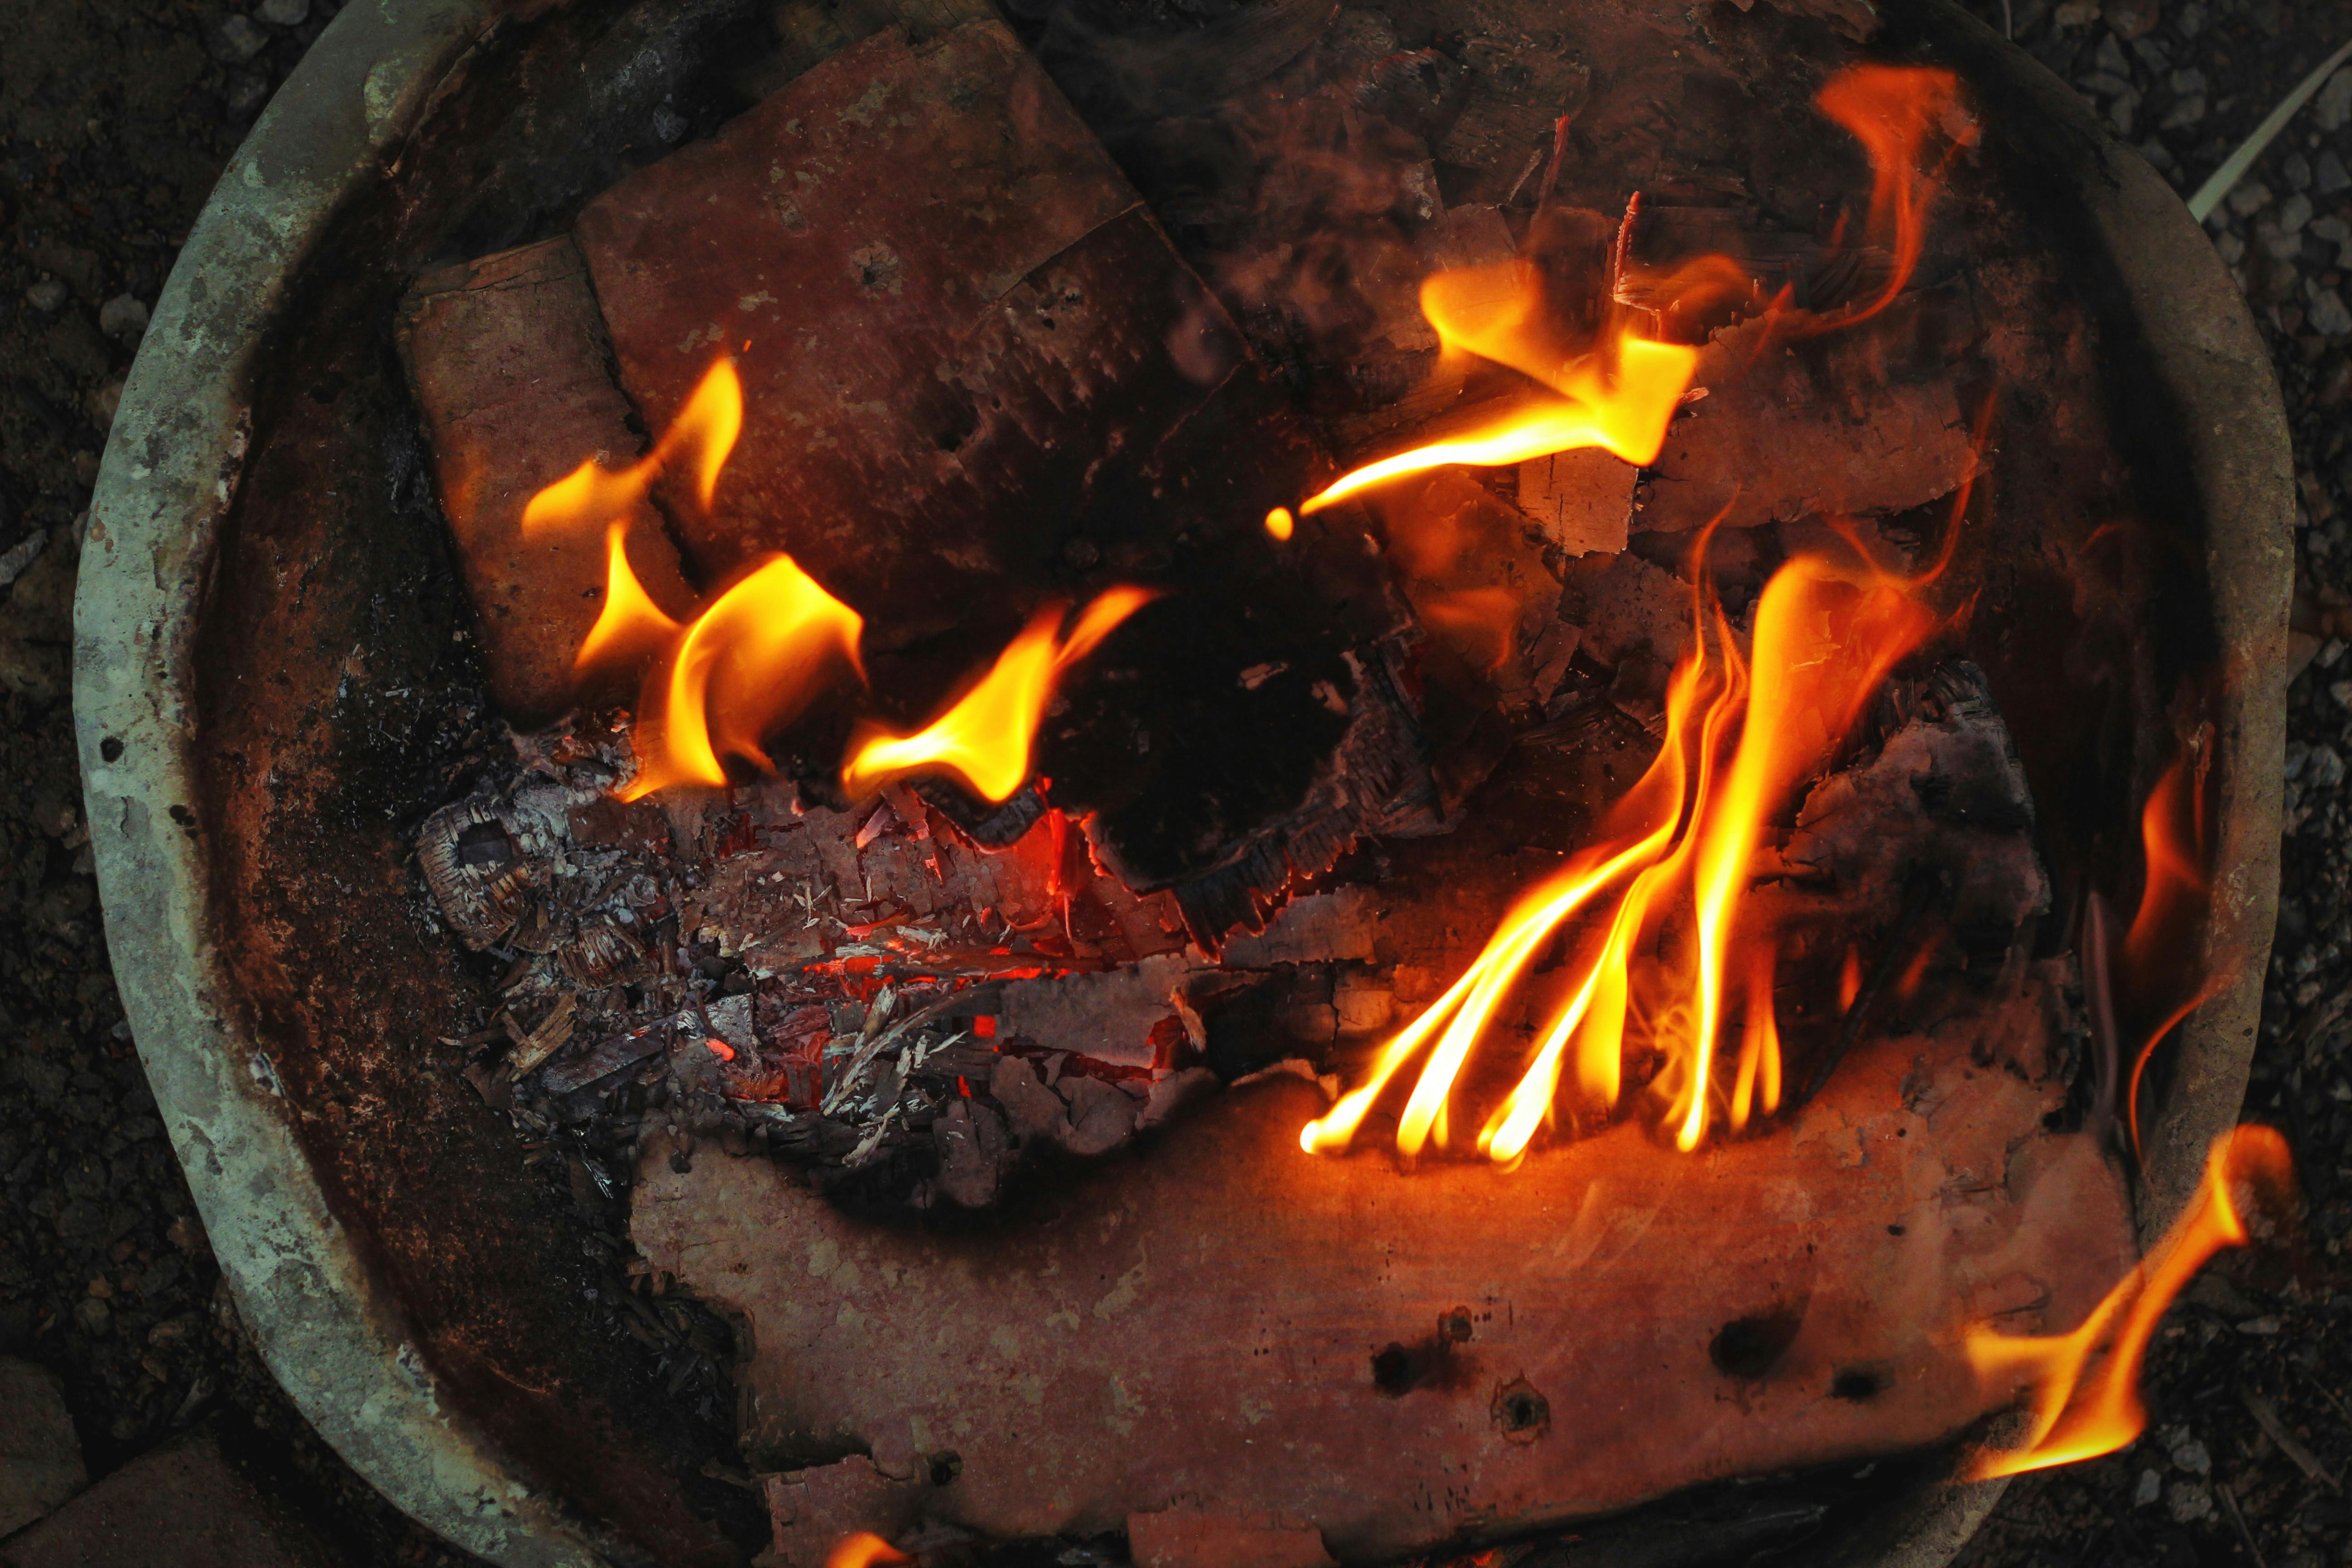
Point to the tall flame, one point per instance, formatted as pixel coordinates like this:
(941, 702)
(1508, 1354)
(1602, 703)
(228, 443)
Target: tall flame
(2079, 1411)
(704, 434)
(1620, 394)
(1891, 110)
(984, 737)
(2176, 896)
(1825, 636)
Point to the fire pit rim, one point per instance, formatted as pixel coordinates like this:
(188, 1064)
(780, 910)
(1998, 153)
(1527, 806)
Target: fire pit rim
(330, 1326)
(331, 1331)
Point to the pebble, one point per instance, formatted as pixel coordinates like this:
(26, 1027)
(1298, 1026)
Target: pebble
(2151, 1487)
(2327, 315)
(48, 294)
(2188, 1502)
(2293, 213)
(2190, 21)
(2329, 174)
(246, 94)
(2109, 58)
(93, 1317)
(2185, 115)
(284, 13)
(2193, 1456)
(2250, 197)
(236, 40)
(2332, 110)
(124, 317)
(2232, 248)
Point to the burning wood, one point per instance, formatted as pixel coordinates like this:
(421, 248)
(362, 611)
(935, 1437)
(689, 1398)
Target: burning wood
(1042, 751)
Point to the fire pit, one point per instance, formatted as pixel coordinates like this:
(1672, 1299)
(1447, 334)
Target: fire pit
(1392, 778)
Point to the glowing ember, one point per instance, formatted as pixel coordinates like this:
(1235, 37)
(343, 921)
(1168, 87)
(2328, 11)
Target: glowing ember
(983, 738)
(2080, 1411)
(863, 1548)
(1825, 637)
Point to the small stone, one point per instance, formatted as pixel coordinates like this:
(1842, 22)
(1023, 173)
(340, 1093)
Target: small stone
(235, 40)
(2190, 1455)
(2264, 1325)
(2185, 115)
(2327, 315)
(2109, 57)
(93, 1317)
(48, 294)
(103, 401)
(2151, 1487)
(2189, 20)
(2075, 13)
(123, 317)
(2105, 84)
(2296, 170)
(284, 13)
(40, 1457)
(2293, 213)
(2186, 80)
(2329, 174)
(2232, 248)
(2332, 110)
(2123, 110)
(2133, 19)
(247, 91)
(2250, 197)
(2188, 1500)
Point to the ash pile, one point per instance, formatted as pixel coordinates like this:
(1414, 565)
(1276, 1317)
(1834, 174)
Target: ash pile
(1021, 318)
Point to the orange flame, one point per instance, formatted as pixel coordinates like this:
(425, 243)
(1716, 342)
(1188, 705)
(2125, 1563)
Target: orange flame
(864, 1549)
(1621, 400)
(1891, 110)
(705, 432)
(2176, 897)
(1825, 637)
(2078, 1412)
(748, 663)
(984, 738)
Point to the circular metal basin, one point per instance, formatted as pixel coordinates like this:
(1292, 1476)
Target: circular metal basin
(263, 659)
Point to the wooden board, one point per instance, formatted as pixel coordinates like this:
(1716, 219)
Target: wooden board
(1401, 1358)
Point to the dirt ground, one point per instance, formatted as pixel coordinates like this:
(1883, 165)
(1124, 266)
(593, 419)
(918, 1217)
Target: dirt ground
(115, 118)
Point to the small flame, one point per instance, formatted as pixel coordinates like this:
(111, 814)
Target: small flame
(748, 663)
(704, 432)
(1621, 400)
(863, 1550)
(1279, 522)
(2080, 1412)
(1825, 637)
(1891, 110)
(2159, 950)
(984, 738)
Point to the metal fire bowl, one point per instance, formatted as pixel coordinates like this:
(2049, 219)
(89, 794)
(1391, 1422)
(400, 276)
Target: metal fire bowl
(399, 143)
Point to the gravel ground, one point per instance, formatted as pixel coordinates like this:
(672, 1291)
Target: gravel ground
(115, 119)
